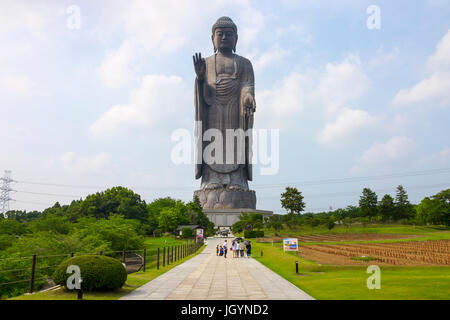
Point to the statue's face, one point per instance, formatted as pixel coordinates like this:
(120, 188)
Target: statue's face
(224, 39)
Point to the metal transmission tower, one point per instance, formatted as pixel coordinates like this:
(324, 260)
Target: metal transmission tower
(5, 189)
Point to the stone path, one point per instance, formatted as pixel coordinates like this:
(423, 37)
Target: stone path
(207, 276)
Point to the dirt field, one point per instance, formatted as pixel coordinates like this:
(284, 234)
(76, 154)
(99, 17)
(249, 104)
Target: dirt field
(432, 252)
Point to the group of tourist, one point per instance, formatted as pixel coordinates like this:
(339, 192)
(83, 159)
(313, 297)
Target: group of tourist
(238, 249)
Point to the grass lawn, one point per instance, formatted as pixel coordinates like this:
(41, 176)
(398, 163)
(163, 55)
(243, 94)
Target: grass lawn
(134, 281)
(153, 243)
(349, 282)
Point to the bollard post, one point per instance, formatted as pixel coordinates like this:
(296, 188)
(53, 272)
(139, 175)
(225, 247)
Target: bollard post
(261, 253)
(71, 254)
(157, 261)
(80, 291)
(100, 253)
(123, 256)
(33, 269)
(296, 267)
(145, 259)
(164, 256)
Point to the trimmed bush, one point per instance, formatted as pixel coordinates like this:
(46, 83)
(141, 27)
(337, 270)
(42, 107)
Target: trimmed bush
(97, 272)
(253, 234)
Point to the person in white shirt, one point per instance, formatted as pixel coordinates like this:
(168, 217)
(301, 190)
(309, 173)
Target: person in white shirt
(234, 247)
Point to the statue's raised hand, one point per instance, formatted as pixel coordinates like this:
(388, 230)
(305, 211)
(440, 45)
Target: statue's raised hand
(199, 65)
(249, 103)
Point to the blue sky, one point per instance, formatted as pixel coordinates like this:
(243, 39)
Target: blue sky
(95, 106)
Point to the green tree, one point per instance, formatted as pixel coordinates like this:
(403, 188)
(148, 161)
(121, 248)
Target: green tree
(51, 222)
(186, 232)
(330, 222)
(292, 201)
(197, 216)
(386, 207)
(249, 221)
(274, 222)
(12, 227)
(115, 233)
(154, 209)
(368, 203)
(403, 208)
(168, 219)
(117, 200)
(435, 210)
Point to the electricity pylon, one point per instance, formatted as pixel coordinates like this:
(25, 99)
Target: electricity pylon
(5, 189)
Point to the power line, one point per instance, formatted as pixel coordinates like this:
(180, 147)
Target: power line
(353, 193)
(262, 186)
(49, 194)
(360, 179)
(39, 203)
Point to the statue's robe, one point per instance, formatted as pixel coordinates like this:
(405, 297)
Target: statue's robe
(219, 104)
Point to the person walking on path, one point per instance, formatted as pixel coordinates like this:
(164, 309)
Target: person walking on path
(234, 247)
(217, 250)
(241, 249)
(249, 249)
(225, 248)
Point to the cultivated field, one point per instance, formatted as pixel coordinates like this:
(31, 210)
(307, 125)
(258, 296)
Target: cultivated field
(413, 253)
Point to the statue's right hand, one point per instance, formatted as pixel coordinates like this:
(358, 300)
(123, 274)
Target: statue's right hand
(199, 65)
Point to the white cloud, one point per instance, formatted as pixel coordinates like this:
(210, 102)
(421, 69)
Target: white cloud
(16, 86)
(434, 89)
(161, 27)
(154, 102)
(270, 57)
(285, 100)
(76, 164)
(347, 122)
(382, 58)
(342, 83)
(394, 149)
(115, 70)
(436, 159)
(441, 57)
(325, 91)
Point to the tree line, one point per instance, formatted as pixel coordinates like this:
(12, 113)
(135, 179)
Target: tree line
(434, 210)
(110, 220)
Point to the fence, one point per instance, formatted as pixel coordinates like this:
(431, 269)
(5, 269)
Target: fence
(24, 274)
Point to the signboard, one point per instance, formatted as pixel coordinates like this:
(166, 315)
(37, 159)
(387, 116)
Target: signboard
(199, 233)
(290, 244)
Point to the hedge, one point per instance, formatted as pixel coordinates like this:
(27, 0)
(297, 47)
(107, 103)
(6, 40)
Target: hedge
(253, 234)
(97, 272)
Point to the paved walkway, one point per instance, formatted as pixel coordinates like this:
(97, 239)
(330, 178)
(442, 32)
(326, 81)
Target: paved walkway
(207, 276)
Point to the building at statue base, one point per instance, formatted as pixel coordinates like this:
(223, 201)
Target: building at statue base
(227, 217)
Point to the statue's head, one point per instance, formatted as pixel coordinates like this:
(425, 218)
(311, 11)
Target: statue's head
(224, 35)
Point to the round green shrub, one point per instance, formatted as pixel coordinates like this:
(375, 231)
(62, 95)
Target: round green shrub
(97, 272)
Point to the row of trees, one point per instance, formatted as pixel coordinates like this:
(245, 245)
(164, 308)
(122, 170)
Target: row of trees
(111, 220)
(431, 210)
(108, 221)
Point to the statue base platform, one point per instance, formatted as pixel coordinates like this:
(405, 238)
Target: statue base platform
(225, 198)
(228, 217)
